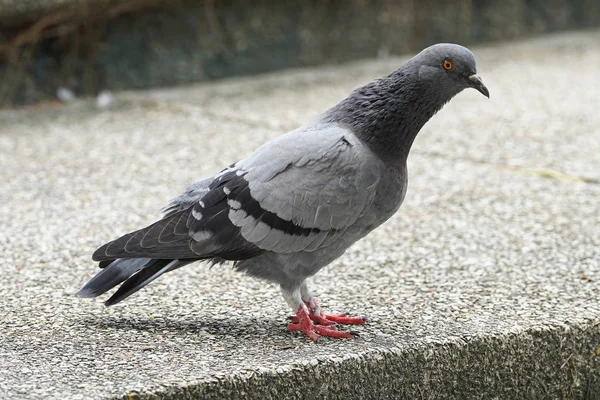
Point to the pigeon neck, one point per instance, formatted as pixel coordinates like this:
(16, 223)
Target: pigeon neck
(389, 113)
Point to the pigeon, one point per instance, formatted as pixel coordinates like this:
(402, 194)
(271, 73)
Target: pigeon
(301, 200)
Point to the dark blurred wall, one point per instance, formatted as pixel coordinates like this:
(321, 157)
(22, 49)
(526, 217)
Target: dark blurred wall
(90, 45)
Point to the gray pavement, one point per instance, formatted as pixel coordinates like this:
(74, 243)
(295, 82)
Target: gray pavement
(484, 285)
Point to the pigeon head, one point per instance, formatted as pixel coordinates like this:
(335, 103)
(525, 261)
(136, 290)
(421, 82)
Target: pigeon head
(388, 113)
(450, 68)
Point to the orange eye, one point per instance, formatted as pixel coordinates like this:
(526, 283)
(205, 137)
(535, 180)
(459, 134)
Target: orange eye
(447, 65)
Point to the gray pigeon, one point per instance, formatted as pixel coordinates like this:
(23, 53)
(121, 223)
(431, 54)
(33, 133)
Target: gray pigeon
(298, 202)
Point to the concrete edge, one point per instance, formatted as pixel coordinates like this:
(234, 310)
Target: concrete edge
(551, 361)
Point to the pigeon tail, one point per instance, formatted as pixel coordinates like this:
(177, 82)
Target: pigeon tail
(112, 274)
(135, 272)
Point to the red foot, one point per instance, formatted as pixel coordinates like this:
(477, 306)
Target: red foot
(318, 316)
(302, 322)
(342, 319)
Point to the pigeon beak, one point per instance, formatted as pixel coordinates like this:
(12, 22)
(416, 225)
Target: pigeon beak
(477, 83)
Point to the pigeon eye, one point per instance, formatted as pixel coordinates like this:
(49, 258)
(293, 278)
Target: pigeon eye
(447, 65)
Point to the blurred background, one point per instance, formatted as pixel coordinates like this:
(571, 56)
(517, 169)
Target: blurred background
(64, 49)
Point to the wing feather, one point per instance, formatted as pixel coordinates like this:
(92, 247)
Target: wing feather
(303, 190)
(300, 192)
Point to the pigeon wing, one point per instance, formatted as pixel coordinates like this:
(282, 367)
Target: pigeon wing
(298, 192)
(303, 190)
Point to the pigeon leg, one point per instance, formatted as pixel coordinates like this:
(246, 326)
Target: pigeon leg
(303, 321)
(317, 314)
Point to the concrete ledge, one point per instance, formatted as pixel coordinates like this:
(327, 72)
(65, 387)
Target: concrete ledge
(484, 285)
(559, 362)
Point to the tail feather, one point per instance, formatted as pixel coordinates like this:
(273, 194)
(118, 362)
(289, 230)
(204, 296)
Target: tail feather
(143, 277)
(111, 275)
(135, 272)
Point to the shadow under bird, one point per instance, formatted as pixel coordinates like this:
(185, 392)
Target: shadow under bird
(299, 201)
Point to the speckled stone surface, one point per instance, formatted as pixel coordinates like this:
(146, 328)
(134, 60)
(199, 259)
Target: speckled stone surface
(484, 285)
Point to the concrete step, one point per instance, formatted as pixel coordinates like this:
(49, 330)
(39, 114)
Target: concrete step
(484, 285)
